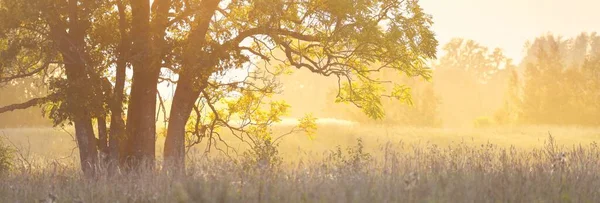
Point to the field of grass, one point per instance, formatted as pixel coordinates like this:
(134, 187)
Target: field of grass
(391, 164)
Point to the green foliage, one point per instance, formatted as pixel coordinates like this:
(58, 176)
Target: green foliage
(308, 124)
(414, 104)
(35, 30)
(353, 42)
(364, 95)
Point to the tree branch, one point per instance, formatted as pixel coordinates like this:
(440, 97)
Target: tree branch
(37, 70)
(269, 31)
(30, 103)
(185, 14)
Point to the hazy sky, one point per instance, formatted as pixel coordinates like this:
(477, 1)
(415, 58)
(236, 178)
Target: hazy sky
(508, 24)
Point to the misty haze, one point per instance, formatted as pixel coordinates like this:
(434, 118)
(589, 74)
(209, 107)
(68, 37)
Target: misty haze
(299, 101)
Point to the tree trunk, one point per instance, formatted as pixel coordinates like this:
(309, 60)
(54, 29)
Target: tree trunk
(102, 136)
(70, 39)
(84, 133)
(117, 129)
(116, 133)
(192, 80)
(117, 124)
(147, 34)
(78, 100)
(141, 129)
(181, 108)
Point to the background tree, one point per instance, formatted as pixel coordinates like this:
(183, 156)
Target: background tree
(561, 81)
(468, 79)
(510, 112)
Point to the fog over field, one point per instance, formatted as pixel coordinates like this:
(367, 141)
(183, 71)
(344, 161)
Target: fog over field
(299, 101)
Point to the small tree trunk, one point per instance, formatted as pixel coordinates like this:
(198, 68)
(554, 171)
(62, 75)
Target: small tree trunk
(117, 124)
(102, 136)
(181, 108)
(192, 80)
(116, 132)
(70, 41)
(84, 133)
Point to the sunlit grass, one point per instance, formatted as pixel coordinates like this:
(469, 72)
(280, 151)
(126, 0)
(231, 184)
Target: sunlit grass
(56, 143)
(393, 164)
(456, 170)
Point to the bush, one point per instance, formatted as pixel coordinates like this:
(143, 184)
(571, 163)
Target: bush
(263, 156)
(6, 157)
(483, 122)
(355, 160)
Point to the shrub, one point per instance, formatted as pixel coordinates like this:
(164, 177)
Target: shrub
(263, 156)
(482, 122)
(6, 158)
(355, 160)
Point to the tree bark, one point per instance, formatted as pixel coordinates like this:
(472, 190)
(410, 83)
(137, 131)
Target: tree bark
(84, 133)
(117, 130)
(78, 99)
(30, 103)
(139, 143)
(102, 136)
(141, 129)
(181, 108)
(192, 80)
(117, 124)
(147, 34)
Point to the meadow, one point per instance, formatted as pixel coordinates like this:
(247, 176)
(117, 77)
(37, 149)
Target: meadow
(343, 163)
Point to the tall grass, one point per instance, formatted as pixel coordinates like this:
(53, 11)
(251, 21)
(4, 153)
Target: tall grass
(398, 172)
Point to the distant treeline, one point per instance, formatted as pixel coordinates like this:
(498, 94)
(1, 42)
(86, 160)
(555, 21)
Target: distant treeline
(559, 83)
